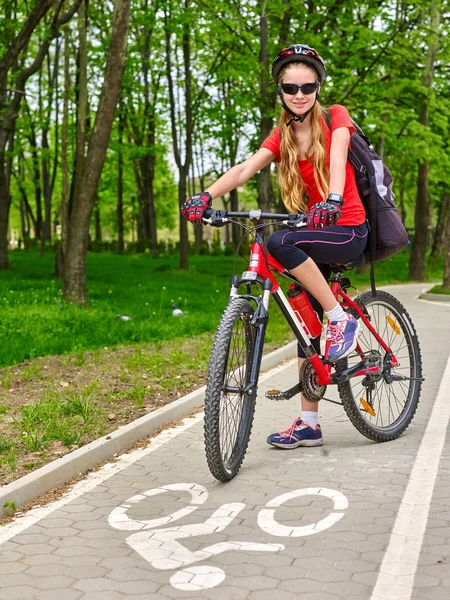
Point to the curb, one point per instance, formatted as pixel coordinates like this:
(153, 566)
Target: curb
(435, 297)
(64, 469)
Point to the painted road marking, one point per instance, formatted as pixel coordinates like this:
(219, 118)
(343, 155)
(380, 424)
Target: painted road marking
(163, 551)
(397, 571)
(266, 516)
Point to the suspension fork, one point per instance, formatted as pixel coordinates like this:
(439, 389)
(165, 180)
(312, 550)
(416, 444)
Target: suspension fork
(259, 321)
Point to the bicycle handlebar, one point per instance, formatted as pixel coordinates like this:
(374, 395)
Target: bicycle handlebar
(212, 217)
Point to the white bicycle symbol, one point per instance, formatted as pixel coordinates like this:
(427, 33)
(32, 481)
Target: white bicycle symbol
(161, 549)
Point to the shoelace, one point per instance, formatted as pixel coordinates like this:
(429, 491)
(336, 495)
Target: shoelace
(289, 432)
(334, 332)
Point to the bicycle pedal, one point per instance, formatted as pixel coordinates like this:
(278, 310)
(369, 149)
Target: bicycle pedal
(287, 395)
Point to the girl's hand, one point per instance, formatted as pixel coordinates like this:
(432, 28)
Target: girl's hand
(194, 208)
(324, 214)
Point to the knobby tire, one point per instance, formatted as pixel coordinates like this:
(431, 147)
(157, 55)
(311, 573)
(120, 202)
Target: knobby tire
(229, 415)
(394, 404)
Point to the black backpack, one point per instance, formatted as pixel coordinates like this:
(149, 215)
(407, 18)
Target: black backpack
(387, 234)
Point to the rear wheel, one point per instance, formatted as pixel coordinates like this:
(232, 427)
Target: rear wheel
(229, 408)
(379, 410)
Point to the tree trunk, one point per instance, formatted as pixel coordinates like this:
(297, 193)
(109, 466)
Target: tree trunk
(441, 231)
(418, 253)
(98, 226)
(183, 167)
(4, 212)
(120, 224)
(59, 259)
(74, 281)
(265, 190)
(446, 277)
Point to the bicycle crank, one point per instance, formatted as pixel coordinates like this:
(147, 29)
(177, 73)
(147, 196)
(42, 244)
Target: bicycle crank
(310, 388)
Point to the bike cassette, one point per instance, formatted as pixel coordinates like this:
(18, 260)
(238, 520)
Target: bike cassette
(311, 390)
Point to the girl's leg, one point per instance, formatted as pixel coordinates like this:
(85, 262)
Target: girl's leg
(299, 251)
(309, 274)
(304, 431)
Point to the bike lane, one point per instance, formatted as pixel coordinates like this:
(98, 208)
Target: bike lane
(315, 523)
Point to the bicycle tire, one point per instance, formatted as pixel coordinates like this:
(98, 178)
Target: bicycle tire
(229, 416)
(391, 320)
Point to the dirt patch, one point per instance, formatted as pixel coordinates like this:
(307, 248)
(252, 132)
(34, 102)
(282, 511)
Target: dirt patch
(53, 405)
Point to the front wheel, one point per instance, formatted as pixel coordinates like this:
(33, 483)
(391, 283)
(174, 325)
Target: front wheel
(229, 406)
(379, 410)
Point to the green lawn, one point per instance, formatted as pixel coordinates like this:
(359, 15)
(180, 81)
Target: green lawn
(36, 322)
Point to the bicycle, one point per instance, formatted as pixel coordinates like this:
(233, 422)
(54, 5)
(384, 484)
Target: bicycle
(379, 383)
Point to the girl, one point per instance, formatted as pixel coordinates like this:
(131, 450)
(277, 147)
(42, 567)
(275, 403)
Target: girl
(315, 177)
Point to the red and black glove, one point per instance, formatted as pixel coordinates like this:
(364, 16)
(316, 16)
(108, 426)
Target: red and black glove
(194, 208)
(325, 214)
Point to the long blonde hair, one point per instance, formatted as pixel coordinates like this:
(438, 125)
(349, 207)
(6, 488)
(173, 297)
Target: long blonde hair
(289, 177)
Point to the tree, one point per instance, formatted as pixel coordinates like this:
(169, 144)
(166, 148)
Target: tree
(421, 220)
(74, 260)
(13, 69)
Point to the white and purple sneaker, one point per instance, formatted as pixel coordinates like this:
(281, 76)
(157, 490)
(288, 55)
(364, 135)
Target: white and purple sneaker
(299, 434)
(343, 336)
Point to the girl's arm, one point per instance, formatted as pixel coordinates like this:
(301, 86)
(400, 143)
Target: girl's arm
(340, 139)
(241, 173)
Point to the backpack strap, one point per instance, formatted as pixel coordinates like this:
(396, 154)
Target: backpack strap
(372, 199)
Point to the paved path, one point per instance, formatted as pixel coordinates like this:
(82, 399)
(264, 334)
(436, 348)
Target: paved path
(350, 519)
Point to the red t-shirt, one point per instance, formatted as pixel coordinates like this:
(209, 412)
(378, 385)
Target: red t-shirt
(352, 211)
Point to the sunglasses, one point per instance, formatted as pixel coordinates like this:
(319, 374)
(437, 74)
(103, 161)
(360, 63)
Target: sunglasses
(306, 88)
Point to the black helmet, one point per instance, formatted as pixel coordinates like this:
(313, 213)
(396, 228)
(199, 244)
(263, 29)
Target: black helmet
(298, 53)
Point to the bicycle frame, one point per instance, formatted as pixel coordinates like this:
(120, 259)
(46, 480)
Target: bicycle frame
(260, 272)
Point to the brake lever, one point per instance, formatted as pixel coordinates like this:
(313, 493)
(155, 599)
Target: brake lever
(295, 222)
(215, 218)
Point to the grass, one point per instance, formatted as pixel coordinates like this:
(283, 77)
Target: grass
(438, 289)
(36, 322)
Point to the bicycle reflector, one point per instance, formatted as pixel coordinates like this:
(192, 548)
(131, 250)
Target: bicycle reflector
(367, 407)
(393, 324)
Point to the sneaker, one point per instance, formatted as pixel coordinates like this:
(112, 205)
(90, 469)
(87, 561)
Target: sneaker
(299, 434)
(343, 336)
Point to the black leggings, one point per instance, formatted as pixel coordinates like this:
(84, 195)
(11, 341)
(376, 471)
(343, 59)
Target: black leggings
(337, 244)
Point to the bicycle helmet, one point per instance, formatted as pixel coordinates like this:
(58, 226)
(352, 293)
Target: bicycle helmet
(298, 53)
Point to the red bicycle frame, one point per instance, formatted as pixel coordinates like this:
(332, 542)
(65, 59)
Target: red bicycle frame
(259, 269)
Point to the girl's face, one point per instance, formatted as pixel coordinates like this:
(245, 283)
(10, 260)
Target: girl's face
(299, 73)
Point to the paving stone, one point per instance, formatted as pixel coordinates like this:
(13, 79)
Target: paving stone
(329, 575)
(20, 592)
(224, 592)
(347, 588)
(109, 595)
(8, 568)
(56, 582)
(83, 572)
(69, 594)
(134, 588)
(15, 579)
(245, 570)
(131, 574)
(274, 595)
(95, 584)
(304, 584)
(257, 583)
